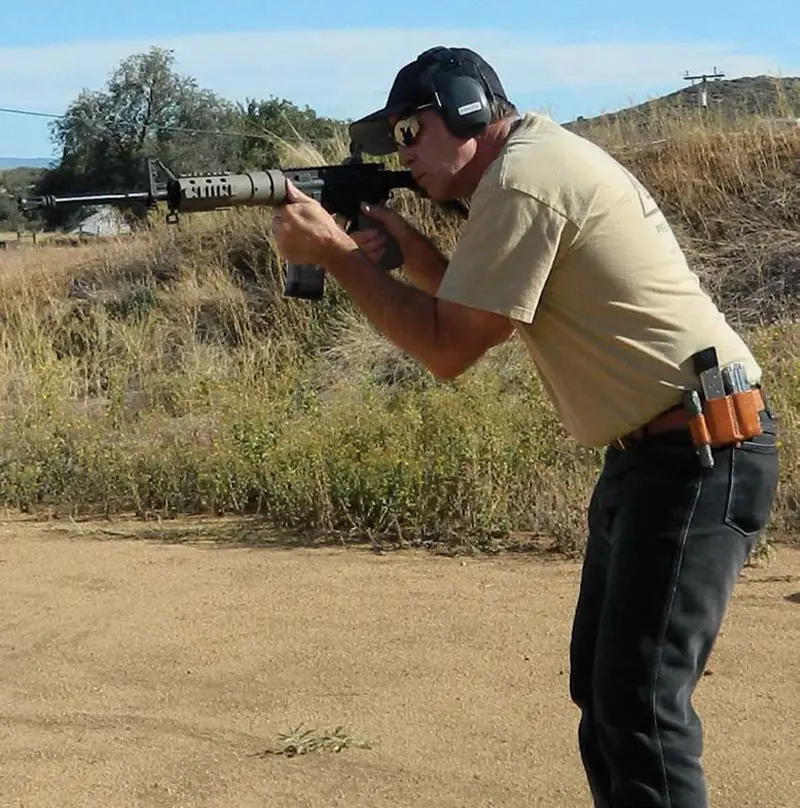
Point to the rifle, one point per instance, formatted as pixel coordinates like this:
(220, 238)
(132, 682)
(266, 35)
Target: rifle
(340, 189)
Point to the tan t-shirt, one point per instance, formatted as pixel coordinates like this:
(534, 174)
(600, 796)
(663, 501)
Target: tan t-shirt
(566, 242)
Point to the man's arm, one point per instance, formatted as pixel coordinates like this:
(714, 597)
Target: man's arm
(445, 337)
(424, 263)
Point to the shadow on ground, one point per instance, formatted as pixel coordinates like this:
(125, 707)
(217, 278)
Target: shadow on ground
(255, 532)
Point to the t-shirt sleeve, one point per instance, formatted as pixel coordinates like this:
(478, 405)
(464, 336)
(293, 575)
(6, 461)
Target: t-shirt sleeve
(503, 258)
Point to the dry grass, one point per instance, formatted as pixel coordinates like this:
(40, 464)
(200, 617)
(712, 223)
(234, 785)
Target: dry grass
(165, 373)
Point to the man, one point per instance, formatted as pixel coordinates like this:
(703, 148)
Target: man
(567, 250)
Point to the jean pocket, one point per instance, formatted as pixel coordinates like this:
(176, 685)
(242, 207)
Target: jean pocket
(752, 484)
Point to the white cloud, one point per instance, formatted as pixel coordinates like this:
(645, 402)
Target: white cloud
(354, 68)
(348, 72)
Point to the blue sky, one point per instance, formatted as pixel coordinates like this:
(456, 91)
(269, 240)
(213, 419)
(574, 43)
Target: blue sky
(571, 58)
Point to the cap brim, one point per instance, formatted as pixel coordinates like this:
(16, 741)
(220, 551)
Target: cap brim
(373, 133)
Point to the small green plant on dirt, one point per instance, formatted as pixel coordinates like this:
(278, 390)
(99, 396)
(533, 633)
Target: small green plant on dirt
(301, 742)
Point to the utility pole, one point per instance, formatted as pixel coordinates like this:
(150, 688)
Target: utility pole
(702, 95)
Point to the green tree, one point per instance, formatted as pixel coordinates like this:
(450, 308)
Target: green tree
(271, 123)
(11, 217)
(14, 183)
(146, 109)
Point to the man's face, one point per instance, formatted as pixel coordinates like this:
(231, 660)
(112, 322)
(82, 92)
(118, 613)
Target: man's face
(435, 157)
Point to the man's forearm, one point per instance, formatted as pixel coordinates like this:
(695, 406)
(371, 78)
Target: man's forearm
(405, 315)
(424, 264)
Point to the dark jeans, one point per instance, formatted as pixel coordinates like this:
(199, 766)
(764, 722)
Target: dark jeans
(667, 541)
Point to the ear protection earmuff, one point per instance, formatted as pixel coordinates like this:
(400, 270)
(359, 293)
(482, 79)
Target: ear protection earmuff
(460, 92)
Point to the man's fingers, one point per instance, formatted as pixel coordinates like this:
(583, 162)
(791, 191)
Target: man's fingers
(371, 242)
(368, 237)
(340, 220)
(294, 194)
(379, 213)
(392, 221)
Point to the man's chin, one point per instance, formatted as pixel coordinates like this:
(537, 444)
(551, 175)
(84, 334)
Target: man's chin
(435, 192)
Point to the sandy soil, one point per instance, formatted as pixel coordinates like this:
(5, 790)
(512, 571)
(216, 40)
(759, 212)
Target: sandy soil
(156, 672)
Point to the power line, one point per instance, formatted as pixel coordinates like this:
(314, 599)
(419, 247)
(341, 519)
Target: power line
(30, 112)
(184, 129)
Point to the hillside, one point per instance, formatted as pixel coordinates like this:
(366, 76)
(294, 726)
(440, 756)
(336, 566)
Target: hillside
(730, 102)
(7, 163)
(727, 179)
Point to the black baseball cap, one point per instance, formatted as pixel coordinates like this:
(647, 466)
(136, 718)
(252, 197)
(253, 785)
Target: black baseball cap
(411, 91)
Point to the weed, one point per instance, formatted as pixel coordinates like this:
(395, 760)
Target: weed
(166, 374)
(301, 742)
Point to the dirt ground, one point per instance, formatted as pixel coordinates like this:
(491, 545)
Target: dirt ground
(155, 667)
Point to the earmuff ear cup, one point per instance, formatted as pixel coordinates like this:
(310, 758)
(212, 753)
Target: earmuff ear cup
(463, 105)
(460, 99)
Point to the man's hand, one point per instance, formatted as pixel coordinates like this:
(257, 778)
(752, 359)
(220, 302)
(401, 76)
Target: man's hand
(305, 232)
(373, 242)
(423, 262)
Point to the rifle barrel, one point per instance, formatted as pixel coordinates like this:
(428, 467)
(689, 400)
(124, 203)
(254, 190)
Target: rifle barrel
(51, 202)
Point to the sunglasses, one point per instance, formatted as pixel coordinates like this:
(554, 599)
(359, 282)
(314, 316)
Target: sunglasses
(406, 130)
